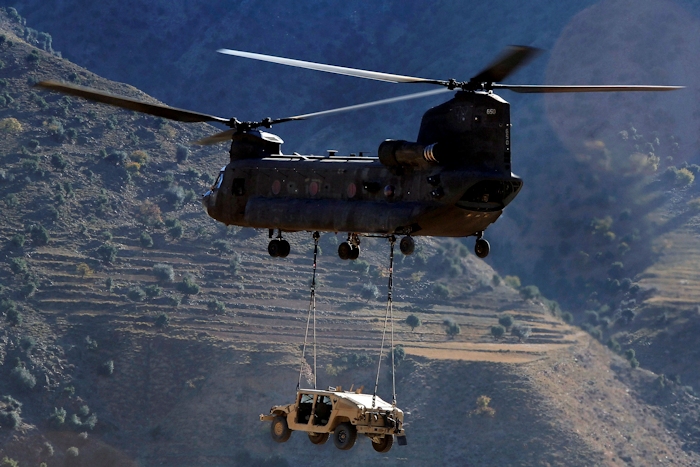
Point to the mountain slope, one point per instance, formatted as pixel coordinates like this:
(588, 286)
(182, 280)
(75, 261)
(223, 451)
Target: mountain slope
(190, 391)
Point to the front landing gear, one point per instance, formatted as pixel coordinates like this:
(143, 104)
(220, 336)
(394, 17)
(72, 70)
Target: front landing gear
(350, 249)
(279, 247)
(482, 247)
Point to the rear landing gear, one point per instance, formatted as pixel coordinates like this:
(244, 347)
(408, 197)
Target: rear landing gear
(279, 247)
(482, 247)
(407, 245)
(350, 249)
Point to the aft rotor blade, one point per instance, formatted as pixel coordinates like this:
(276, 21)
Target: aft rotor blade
(158, 110)
(510, 60)
(224, 136)
(544, 88)
(350, 108)
(340, 70)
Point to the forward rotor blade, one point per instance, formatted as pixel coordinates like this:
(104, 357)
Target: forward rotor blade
(220, 137)
(158, 110)
(544, 88)
(340, 70)
(510, 60)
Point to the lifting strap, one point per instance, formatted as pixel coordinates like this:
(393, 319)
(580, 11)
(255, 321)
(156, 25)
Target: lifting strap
(389, 316)
(312, 308)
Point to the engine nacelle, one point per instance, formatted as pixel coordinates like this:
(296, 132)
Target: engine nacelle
(396, 153)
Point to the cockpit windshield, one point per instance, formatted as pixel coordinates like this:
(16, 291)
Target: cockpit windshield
(219, 179)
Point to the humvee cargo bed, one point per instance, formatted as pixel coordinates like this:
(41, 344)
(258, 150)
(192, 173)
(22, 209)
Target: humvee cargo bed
(343, 413)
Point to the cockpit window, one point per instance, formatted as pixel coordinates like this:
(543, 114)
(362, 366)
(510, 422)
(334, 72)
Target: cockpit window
(220, 179)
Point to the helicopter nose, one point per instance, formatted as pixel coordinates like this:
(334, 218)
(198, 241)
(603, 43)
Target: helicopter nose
(206, 200)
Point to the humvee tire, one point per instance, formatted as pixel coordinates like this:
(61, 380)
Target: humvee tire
(385, 444)
(344, 436)
(318, 438)
(280, 430)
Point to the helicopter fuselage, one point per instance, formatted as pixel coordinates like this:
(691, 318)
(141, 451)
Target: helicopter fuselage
(453, 182)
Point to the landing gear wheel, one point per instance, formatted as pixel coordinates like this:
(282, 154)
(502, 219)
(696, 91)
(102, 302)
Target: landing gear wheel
(274, 248)
(407, 245)
(344, 250)
(482, 248)
(318, 438)
(354, 253)
(344, 436)
(284, 248)
(384, 445)
(279, 429)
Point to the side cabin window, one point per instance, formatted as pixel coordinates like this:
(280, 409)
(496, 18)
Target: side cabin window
(304, 408)
(238, 186)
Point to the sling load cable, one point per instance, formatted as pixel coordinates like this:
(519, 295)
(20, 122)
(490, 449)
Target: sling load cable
(312, 308)
(388, 316)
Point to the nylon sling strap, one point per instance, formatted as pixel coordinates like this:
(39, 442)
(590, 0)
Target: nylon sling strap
(389, 316)
(312, 310)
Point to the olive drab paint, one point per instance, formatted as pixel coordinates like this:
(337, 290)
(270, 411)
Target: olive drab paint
(454, 181)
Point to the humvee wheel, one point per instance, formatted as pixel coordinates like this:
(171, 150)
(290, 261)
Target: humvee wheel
(280, 430)
(344, 436)
(385, 444)
(318, 438)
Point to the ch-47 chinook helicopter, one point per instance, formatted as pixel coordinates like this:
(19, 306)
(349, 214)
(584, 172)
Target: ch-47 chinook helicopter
(453, 181)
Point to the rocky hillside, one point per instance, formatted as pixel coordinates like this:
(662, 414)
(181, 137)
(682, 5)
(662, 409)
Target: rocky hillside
(137, 331)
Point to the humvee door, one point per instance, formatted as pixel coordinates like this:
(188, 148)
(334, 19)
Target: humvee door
(322, 410)
(305, 405)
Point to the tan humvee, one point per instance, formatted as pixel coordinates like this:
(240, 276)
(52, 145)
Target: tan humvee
(343, 413)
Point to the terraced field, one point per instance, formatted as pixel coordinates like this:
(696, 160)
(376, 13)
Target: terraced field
(267, 300)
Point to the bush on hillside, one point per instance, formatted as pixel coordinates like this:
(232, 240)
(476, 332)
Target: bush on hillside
(23, 378)
(164, 272)
(188, 286)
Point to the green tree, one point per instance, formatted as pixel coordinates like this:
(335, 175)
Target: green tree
(107, 252)
(512, 281)
(452, 329)
(399, 354)
(413, 321)
(369, 292)
(136, 294)
(530, 292)
(441, 291)
(216, 306)
(107, 368)
(145, 240)
(57, 418)
(152, 290)
(164, 272)
(14, 317)
(23, 378)
(521, 331)
(506, 321)
(162, 321)
(497, 331)
(223, 246)
(182, 153)
(188, 286)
